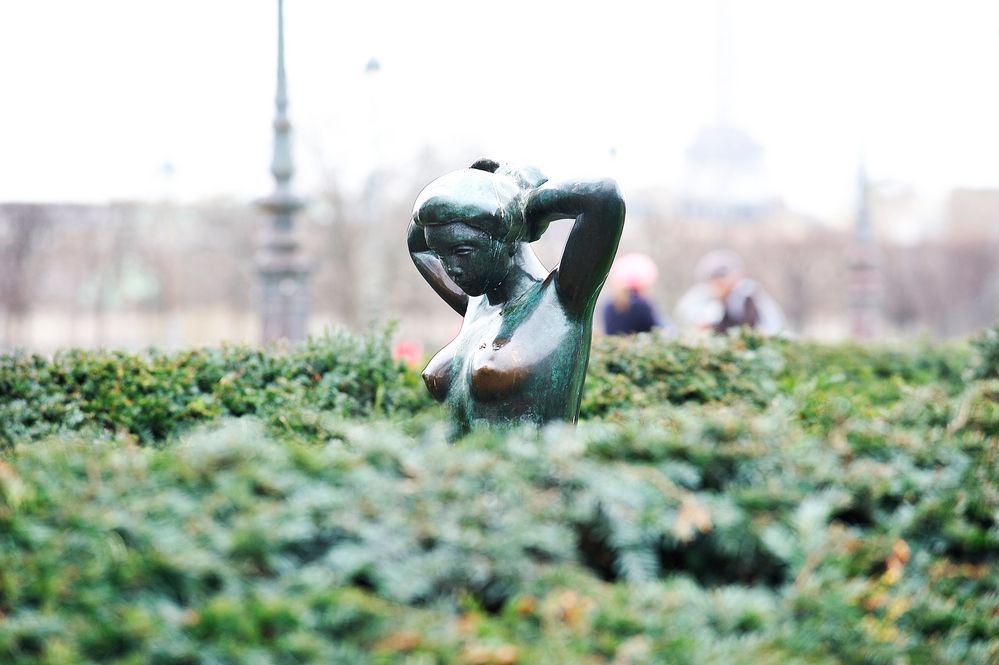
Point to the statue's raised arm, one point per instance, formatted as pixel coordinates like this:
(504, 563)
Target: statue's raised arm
(589, 251)
(522, 350)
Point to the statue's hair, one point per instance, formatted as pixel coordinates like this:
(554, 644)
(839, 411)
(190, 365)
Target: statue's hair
(485, 164)
(488, 196)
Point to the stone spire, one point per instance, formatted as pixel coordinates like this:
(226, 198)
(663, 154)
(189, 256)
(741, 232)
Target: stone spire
(282, 167)
(284, 298)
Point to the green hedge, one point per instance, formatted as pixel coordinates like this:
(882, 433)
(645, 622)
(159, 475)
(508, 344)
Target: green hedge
(154, 396)
(696, 535)
(646, 370)
(806, 504)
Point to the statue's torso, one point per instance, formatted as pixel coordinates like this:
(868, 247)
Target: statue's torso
(524, 361)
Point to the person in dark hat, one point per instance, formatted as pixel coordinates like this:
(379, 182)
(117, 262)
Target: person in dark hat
(724, 298)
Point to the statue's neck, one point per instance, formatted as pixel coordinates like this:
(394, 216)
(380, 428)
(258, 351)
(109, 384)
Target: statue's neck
(527, 271)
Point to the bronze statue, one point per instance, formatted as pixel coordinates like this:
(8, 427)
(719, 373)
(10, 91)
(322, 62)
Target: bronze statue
(522, 350)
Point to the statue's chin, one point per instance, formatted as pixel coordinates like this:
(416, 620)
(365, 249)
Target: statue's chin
(472, 290)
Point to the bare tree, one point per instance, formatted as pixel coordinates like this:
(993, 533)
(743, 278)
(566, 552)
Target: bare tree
(22, 230)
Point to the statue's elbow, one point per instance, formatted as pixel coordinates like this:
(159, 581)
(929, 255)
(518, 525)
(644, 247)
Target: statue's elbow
(611, 197)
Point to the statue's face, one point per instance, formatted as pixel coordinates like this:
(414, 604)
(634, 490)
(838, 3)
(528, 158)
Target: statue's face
(476, 262)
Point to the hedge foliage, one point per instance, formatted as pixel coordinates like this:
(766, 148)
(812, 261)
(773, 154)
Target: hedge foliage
(759, 502)
(155, 396)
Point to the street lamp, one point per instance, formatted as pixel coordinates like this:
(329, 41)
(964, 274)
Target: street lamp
(281, 264)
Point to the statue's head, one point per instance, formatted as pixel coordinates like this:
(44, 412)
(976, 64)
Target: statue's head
(473, 219)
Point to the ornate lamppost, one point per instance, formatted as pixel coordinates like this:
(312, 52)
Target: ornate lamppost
(281, 264)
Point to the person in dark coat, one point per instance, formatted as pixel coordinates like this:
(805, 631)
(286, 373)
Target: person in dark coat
(629, 310)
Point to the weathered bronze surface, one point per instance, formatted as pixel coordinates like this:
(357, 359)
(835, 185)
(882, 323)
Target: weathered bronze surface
(522, 350)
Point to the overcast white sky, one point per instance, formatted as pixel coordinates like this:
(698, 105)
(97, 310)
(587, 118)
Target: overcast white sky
(98, 95)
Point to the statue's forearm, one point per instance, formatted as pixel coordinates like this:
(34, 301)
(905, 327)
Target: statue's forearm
(570, 199)
(432, 270)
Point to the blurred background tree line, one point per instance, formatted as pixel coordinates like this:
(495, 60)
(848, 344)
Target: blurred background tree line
(134, 274)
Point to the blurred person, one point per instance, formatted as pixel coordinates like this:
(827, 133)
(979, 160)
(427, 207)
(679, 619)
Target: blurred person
(723, 298)
(629, 310)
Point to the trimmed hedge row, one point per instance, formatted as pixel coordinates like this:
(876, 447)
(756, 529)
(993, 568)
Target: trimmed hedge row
(155, 396)
(734, 500)
(697, 534)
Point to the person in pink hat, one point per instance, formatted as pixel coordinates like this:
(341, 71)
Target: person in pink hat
(629, 310)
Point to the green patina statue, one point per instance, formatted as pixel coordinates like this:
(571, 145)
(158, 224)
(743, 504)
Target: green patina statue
(522, 350)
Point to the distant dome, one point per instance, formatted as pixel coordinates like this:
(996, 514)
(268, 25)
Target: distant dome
(725, 144)
(724, 177)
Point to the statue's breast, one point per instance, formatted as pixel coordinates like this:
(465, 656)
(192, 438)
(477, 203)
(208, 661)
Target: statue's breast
(525, 355)
(498, 370)
(437, 375)
(501, 355)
